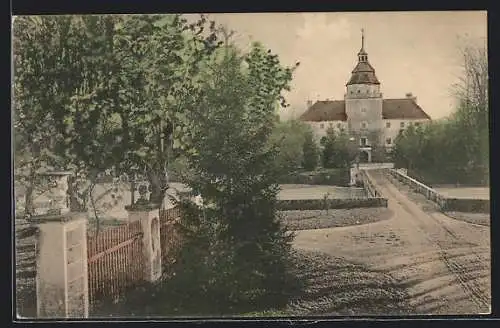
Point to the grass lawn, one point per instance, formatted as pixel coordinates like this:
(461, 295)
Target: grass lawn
(465, 192)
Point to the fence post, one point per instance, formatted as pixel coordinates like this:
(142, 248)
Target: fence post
(148, 215)
(62, 272)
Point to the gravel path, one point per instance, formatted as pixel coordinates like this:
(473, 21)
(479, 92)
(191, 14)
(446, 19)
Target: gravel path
(443, 263)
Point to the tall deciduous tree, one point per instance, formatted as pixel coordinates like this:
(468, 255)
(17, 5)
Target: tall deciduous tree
(111, 89)
(455, 150)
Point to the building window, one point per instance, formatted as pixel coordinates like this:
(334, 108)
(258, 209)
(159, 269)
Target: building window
(401, 131)
(387, 124)
(339, 125)
(358, 91)
(321, 126)
(417, 123)
(363, 125)
(388, 141)
(331, 125)
(363, 110)
(402, 124)
(362, 141)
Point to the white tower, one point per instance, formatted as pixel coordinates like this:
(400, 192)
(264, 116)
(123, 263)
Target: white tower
(363, 100)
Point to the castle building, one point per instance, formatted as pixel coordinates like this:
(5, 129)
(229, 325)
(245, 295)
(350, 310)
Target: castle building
(364, 114)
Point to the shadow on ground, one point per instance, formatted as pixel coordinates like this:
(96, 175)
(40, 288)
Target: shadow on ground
(330, 286)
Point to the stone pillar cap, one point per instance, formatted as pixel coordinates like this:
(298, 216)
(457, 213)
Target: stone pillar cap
(142, 207)
(64, 217)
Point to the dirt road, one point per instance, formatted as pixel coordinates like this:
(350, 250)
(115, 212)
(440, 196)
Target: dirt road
(443, 263)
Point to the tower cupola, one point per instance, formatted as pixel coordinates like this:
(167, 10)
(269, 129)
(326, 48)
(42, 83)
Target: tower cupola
(363, 73)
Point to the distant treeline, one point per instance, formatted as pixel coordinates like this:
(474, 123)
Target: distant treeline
(454, 150)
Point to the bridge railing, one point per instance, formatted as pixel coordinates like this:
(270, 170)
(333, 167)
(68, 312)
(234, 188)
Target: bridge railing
(419, 187)
(370, 188)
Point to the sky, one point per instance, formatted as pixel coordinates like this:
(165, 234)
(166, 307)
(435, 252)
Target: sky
(417, 52)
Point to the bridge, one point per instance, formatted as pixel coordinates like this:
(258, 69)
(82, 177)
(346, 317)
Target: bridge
(443, 263)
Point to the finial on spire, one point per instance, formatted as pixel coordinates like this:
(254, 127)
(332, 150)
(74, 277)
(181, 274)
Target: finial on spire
(362, 38)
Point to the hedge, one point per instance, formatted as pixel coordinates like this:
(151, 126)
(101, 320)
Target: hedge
(321, 204)
(335, 177)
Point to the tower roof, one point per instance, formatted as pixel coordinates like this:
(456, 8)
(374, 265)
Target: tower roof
(363, 73)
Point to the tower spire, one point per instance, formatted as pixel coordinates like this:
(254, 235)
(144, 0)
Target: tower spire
(362, 39)
(362, 55)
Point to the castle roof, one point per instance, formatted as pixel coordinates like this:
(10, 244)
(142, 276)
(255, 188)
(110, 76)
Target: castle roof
(363, 73)
(392, 109)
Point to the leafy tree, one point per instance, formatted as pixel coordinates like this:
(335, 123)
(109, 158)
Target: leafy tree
(338, 151)
(454, 150)
(36, 50)
(310, 152)
(112, 89)
(237, 250)
(289, 136)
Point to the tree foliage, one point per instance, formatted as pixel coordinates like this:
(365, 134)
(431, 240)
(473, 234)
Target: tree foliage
(128, 95)
(310, 152)
(237, 242)
(337, 150)
(456, 149)
(106, 92)
(289, 136)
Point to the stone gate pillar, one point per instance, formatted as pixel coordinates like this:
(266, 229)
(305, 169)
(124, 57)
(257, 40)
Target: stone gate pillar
(148, 215)
(62, 273)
